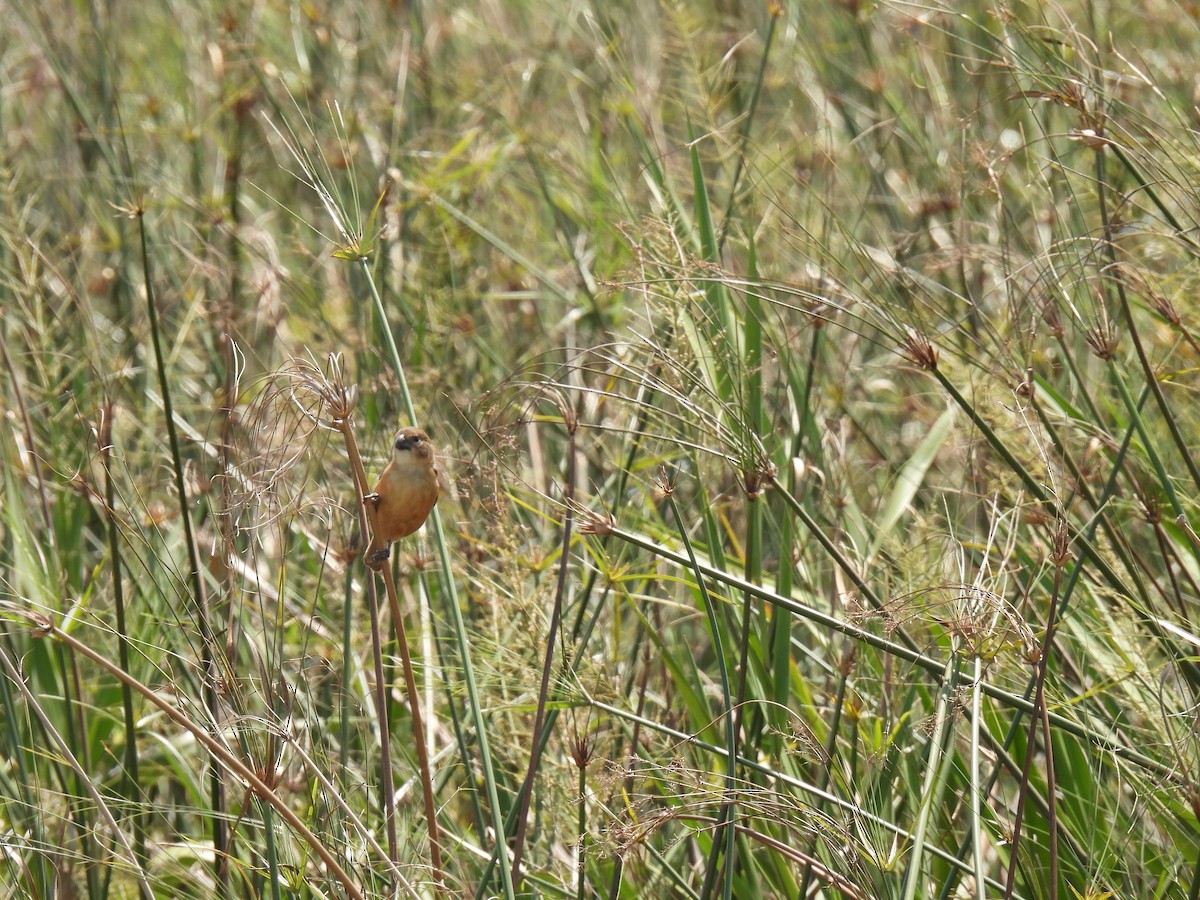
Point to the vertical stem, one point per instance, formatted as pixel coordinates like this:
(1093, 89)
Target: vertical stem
(30, 446)
(1038, 718)
(933, 773)
(418, 727)
(580, 880)
(130, 777)
(555, 617)
(451, 601)
(724, 828)
(195, 576)
(347, 669)
(63, 748)
(976, 829)
(387, 784)
(219, 751)
(367, 512)
(748, 122)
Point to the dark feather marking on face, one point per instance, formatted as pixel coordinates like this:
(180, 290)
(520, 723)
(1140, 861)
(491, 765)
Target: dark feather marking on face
(413, 439)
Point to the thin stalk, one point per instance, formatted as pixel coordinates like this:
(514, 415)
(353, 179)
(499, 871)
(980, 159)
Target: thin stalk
(414, 697)
(844, 885)
(338, 796)
(1082, 384)
(1086, 539)
(747, 123)
(347, 676)
(23, 792)
(418, 729)
(849, 806)
(1148, 445)
(1031, 484)
(581, 829)
(846, 666)
(1118, 541)
(976, 829)
(635, 734)
(1051, 802)
(271, 851)
(73, 707)
(452, 604)
(727, 804)
(581, 633)
(934, 779)
(129, 778)
(27, 427)
(560, 591)
(929, 664)
(387, 785)
(752, 329)
(442, 641)
(195, 574)
(950, 884)
(753, 574)
(1147, 187)
(1040, 718)
(781, 622)
(63, 747)
(218, 750)
(838, 557)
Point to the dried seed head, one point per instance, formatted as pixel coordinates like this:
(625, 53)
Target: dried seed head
(1136, 282)
(581, 752)
(757, 479)
(1031, 652)
(917, 348)
(664, 486)
(592, 522)
(1061, 554)
(1104, 340)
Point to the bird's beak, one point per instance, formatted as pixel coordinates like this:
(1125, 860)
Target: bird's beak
(404, 442)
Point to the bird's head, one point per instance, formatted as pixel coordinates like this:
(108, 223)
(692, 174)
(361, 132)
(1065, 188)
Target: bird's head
(412, 445)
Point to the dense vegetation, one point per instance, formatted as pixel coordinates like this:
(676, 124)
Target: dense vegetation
(815, 392)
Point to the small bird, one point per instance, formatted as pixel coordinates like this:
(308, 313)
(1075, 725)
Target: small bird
(405, 494)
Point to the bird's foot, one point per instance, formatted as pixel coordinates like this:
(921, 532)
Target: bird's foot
(375, 559)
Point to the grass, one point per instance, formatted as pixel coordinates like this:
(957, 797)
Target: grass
(814, 392)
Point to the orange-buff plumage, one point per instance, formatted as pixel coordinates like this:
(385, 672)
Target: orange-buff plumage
(405, 494)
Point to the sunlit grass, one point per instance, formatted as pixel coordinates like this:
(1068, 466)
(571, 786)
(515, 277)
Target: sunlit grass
(813, 387)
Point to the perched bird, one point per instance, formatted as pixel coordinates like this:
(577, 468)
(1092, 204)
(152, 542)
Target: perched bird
(405, 494)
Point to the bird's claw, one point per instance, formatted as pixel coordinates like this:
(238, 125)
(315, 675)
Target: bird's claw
(376, 559)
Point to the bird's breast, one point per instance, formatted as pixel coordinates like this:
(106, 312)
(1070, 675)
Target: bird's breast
(406, 496)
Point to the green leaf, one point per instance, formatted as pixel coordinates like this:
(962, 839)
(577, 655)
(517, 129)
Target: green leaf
(910, 477)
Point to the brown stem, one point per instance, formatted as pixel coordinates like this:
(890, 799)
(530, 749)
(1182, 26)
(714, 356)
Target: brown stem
(410, 681)
(1040, 719)
(835, 879)
(64, 748)
(219, 752)
(387, 786)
